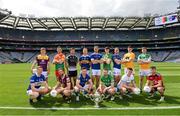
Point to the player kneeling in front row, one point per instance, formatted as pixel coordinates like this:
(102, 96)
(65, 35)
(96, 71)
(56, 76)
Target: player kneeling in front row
(83, 84)
(127, 84)
(155, 83)
(38, 86)
(63, 86)
(107, 85)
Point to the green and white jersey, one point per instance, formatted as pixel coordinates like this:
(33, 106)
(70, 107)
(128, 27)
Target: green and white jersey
(144, 58)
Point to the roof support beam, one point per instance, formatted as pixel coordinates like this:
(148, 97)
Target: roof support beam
(16, 21)
(4, 18)
(137, 22)
(29, 23)
(42, 24)
(58, 24)
(89, 23)
(105, 23)
(149, 22)
(124, 19)
(73, 23)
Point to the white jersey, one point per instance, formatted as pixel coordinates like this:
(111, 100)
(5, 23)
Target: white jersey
(127, 80)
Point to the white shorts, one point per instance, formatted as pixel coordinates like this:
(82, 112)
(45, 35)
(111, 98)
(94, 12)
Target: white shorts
(125, 71)
(144, 72)
(29, 92)
(117, 72)
(45, 74)
(85, 87)
(96, 72)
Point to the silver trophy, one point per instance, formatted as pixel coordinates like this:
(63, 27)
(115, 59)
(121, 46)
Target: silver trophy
(97, 98)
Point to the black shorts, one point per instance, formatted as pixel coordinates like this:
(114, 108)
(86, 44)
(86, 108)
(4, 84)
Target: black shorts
(72, 73)
(155, 89)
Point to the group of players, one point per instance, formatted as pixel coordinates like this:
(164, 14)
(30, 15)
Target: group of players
(91, 78)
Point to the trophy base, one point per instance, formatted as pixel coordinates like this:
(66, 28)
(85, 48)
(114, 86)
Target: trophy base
(96, 106)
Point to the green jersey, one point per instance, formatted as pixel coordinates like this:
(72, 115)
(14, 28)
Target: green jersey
(107, 80)
(105, 65)
(59, 66)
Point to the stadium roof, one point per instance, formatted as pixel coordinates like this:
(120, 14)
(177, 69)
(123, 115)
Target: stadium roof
(78, 23)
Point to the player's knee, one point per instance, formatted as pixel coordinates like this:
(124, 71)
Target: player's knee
(67, 93)
(76, 89)
(111, 91)
(46, 90)
(123, 90)
(160, 89)
(34, 95)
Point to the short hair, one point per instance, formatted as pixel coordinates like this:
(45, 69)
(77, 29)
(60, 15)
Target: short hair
(130, 69)
(84, 48)
(43, 48)
(83, 68)
(153, 67)
(96, 46)
(116, 48)
(107, 48)
(105, 69)
(61, 69)
(72, 49)
(144, 48)
(59, 47)
(129, 46)
(39, 67)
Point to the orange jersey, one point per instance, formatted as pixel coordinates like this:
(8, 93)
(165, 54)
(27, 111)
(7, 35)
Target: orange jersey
(59, 57)
(128, 56)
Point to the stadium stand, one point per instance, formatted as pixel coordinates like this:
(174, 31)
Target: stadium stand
(22, 37)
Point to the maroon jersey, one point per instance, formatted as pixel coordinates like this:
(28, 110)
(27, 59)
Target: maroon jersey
(64, 80)
(155, 78)
(42, 61)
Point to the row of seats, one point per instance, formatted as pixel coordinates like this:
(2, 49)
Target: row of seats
(158, 56)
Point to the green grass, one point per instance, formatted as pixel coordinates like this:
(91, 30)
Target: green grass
(14, 80)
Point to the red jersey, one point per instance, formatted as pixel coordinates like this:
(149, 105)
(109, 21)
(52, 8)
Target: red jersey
(155, 78)
(64, 80)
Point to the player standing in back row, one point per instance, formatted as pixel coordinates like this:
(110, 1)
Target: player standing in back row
(59, 61)
(72, 61)
(144, 61)
(128, 60)
(85, 60)
(96, 59)
(42, 60)
(116, 58)
(107, 57)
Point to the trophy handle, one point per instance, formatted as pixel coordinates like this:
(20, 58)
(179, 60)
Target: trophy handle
(102, 97)
(91, 97)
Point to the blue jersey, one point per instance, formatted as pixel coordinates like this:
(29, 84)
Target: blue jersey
(96, 56)
(83, 80)
(37, 81)
(115, 65)
(86, 58)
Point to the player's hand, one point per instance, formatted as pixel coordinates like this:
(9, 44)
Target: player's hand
(60, 61)
(48, 72)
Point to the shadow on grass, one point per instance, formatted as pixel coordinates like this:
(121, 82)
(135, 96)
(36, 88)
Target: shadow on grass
(139, 100)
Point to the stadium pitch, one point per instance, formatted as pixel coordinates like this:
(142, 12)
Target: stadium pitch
(14, 80)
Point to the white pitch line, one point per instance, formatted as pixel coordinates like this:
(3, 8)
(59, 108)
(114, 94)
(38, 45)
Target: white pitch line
(122, 108)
